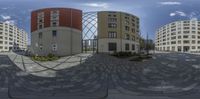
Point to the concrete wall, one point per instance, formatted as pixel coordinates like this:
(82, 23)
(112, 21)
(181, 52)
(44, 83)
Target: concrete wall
(103, 45)
(68, 41)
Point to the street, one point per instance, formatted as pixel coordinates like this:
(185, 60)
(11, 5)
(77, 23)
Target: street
(100, 76)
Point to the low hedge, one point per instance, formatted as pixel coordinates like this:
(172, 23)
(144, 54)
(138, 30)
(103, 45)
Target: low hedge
(49, 57)
(124, 54)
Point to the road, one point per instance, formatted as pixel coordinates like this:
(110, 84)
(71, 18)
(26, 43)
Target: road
(165, 76)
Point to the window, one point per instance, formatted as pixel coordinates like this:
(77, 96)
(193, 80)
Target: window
(133, 47)
(186, 28)
(112, 25)
(40, 26)
(54, 23)
(40, 20)
(193, 36)
(1, 42)
(126, 47)
(193, 47)
(54, 47)
(112, 34)
(186, 32)
(133, 38)
(133, 30)
(40, 35)
(173, 42)
(127, 36)
(54, 33)
(173, 37)
(193, 41)
(127, 28)
(179, 42)
(41, 46)
(112, 19)
(186, 42)
(185, 36)
(112, 46)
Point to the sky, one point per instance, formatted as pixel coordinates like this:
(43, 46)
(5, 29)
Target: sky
(152, 13)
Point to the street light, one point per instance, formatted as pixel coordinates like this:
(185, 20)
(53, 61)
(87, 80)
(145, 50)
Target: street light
(147, 49)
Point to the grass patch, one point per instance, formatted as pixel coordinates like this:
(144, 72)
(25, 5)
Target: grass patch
(49, 57)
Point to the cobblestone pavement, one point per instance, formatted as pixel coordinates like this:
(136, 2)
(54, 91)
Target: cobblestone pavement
(99, 76)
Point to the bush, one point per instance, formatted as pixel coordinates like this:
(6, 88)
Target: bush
(49, 57)
(123, 54)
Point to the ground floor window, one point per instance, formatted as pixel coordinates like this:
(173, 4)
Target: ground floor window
(168, 48)
(126, 47)
(193, 47)
(112, 46)
(54, 47)
(133, 46)
(179, 48)
(186, 48)
(173, 48)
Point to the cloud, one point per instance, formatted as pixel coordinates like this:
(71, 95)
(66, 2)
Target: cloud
(170, 3)
(194, 15)
(5, 17)
(97, 5)
(179, 13)
(4, 8)
(12, 22)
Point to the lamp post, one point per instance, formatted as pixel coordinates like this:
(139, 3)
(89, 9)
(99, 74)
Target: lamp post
(147, 48)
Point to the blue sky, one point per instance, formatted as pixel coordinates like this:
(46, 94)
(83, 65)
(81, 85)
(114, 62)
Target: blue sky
(152, 13)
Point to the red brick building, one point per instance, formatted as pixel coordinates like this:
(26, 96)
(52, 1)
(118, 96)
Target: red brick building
(56, 30)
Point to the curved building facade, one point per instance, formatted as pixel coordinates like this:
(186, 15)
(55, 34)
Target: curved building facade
(115, 31)
(57, 31)
(179, 36)
(12, 38)
(118, 31)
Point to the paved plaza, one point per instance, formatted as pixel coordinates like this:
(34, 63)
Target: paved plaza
(100, 76)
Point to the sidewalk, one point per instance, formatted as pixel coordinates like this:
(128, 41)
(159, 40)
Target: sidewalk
(46, 69)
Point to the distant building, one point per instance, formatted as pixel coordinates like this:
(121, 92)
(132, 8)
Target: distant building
(179, 36)
(12, 38)
(149, 44)
(56, 31)
(115, 31)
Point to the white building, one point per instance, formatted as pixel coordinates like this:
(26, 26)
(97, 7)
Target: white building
(12, 38)
(179, 36)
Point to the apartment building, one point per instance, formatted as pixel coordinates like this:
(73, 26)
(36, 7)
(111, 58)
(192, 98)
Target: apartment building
(179, 36)
(56, 31)
(115, 31)
(12, 38)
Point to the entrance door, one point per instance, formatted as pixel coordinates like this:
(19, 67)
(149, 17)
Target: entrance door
(186, 48)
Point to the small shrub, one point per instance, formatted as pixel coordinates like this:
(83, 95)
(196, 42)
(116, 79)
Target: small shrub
(49, 57)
